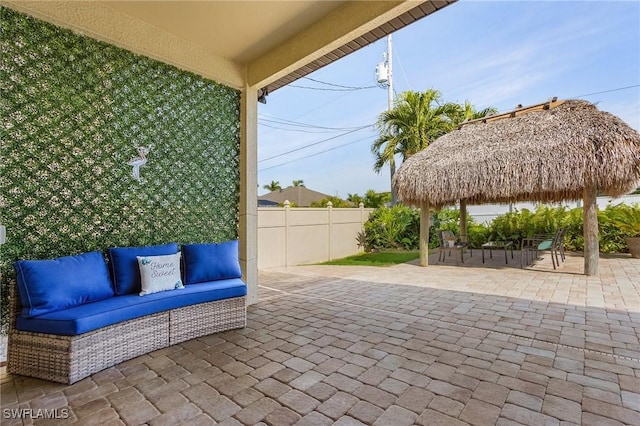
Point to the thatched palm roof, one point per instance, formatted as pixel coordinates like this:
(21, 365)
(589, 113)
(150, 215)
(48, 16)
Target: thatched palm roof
(543, 155)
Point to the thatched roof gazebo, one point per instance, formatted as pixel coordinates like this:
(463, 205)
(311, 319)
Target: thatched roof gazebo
(554, 151)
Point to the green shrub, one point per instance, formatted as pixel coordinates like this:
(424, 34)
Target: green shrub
(399, 227)
(546, 220)
(336, 202)
(445, 219)
(626, 218)
(515, 226)
(449, 219)
(478, 234)
(396, 227)
(616, 223)
(574, 238)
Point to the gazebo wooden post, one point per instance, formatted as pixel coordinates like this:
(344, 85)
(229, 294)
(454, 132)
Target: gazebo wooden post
(463, 221)
(424, 233)
(590, 220)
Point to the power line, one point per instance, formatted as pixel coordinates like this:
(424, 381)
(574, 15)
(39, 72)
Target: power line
(287, 122)
(404, 74)
(319, 106)
(315, 154)
(324, 104)
(284, 129)
(606, 91)
(339, 85)
(313, 144)
(326, 89)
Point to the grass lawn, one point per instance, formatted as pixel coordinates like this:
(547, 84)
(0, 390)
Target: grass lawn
(382, 258)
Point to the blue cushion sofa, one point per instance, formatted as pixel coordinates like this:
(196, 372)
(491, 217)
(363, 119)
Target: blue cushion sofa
(77, 315)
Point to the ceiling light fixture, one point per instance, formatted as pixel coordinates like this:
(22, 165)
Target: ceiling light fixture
(262, 95)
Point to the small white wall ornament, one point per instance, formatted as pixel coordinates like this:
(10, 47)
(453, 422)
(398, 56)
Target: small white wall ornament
(139, 161)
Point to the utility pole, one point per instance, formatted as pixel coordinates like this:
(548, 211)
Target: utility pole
(389, 72)
(384, 72)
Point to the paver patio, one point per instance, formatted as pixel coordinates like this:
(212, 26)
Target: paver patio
(446, 344)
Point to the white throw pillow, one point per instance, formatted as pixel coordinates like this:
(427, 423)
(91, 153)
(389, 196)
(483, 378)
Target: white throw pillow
(159, 273)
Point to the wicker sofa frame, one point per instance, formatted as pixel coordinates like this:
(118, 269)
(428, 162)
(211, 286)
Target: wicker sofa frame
(67, 359)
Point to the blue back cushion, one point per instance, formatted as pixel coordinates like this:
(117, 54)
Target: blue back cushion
(210, 262)
(123, 264)
(56, 284)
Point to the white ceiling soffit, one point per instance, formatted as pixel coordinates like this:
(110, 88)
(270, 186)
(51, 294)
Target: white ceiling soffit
(240, 31)
(243, 31)
(218, 39)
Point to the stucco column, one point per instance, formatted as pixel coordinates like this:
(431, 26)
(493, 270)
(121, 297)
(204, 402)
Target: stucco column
(424, 233)
(248, 231)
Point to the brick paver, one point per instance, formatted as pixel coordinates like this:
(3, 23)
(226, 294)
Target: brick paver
(492, 345)
(338, 405)
(366, 412)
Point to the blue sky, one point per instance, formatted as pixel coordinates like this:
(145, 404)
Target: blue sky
(498, 54)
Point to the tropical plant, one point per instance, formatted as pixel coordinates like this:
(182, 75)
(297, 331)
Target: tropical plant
(273, 186)
(355, 199)
(396, 227)
(417, 119)
(373, 199)
(627, 219)
(298, 182)
(516, 225)
(335, 202)
(390, 228)
(611, 239)
(449, 219)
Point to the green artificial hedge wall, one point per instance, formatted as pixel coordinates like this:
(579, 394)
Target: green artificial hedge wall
(74, 113)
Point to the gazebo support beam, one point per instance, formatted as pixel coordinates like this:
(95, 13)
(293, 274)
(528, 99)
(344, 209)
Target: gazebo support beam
(463, 221)
(424, 233)
(590, 233)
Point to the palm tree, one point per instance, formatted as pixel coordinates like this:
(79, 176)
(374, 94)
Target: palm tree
(273, 186)
(298, 182)
(376, 199)
(468, 112)
(355, 199)
(335, 202)
(416, 120)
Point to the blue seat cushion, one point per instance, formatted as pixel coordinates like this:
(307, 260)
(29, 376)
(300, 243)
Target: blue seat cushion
(210, 262)
(91, 316)
(545, 245)
(123, 264)
(56, 284)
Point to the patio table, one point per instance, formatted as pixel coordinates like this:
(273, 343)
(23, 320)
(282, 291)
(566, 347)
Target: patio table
(491, 245)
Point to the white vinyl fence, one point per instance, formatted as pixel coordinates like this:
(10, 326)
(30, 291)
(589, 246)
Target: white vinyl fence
(293, 236)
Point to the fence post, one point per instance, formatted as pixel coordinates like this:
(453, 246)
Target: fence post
(287, 206)
(362, 221)
(330, 210)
